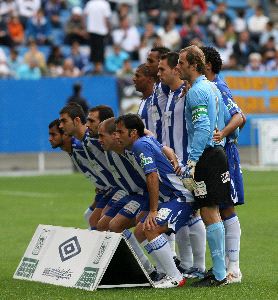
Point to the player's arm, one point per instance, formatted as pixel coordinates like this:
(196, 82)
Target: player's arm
(152, 181)
(198, 105)
(144, 153)
(172, 157)
(234, 123)
(148, 132)
(243, 120)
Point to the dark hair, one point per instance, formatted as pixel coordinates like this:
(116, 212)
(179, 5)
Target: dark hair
(160, 50)
(172, 59)
(132, 121)
(77, 87)
(109, 125)
(56, 123)
(195, 56)
(74, 110)
(104, 111)
(212, 56)
(144, 70)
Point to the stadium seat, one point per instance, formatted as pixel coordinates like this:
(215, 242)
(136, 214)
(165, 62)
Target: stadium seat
(237, 4)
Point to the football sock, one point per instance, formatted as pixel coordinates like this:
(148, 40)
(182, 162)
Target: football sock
(185, 251)
(88, 213)
(139, 251)
(197, 234)
(172, 242)
(216, 242)
(163, 254)
(149, 250)
(232, 242)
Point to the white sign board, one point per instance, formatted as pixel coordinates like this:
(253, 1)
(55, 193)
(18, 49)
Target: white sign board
(80, 258)
(268, 141)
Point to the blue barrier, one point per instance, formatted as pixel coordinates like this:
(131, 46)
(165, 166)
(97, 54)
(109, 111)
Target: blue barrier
(28, 106)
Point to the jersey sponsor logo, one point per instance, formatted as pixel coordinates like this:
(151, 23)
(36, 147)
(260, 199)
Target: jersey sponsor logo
(145, 160)
(225, 177)
(198, 111)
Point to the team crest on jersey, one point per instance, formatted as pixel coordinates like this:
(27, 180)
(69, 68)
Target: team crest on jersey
(145, 160)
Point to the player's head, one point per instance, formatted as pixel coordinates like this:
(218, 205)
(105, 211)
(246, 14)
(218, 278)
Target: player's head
(191, 62)
(142, 78)
(153, 59)
(96, 115)
(129, 128)
(55, 134)
(57, 137)
(213, 60)
(72, 117)
(167, 71)
(107, 134)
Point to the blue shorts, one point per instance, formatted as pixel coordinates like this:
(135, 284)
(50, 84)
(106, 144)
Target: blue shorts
(104, 197)
(237, 190)
(174, 213)
(129, 206)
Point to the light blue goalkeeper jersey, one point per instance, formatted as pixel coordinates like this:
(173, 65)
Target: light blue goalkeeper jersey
(205, 111)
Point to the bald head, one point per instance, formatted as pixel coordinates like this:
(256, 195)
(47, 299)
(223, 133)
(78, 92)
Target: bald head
(108, 125)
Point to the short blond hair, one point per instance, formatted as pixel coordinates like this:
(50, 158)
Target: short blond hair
(195, 56)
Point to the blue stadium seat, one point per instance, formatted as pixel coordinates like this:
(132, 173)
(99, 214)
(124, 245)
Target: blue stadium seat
(135, 64)
(45, 50)
(237, 4)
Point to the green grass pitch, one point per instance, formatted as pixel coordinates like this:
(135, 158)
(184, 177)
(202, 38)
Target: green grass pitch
(26, 202)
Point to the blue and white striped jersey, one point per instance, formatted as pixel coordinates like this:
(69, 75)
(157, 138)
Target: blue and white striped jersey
(97, 160)
(148, 153)
(80, 160)
(144, 111)
(158, 104)
(125, 174)
(229, 102)
(174, 129)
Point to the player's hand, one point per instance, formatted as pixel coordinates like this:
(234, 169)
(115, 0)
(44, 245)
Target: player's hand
(188, 173)
(217, 136)
(177, 166)
(189, 169)
(150, 222)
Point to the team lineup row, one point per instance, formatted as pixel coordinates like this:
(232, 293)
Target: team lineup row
(172, 171)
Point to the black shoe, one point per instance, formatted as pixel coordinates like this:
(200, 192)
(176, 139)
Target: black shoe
(209, 281)
(155, 276)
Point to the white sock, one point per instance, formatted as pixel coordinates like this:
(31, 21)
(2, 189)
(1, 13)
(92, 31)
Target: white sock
(149, 250)
(197, 234)
(185, 251)
(163, 254)
(172, 242)
(87, 213)
(139, 251)
(232, 242)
